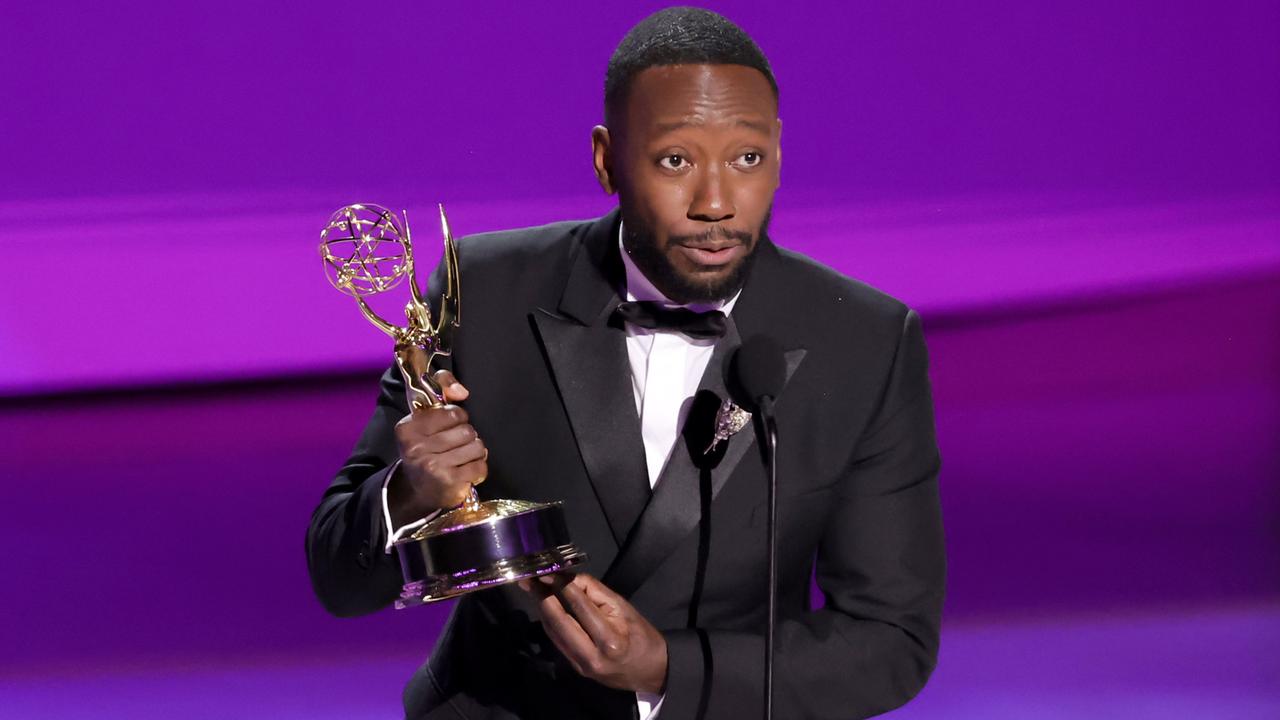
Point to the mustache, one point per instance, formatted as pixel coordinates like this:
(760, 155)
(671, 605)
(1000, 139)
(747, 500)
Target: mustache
(711, 234)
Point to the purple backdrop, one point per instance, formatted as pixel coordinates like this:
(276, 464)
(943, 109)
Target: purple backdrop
(1083, 200)
(460, 100)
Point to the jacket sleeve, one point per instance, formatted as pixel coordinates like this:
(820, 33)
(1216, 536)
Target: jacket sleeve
(350, 570)
(881, 566)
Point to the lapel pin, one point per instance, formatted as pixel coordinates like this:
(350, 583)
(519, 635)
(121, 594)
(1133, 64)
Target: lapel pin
(729, 420)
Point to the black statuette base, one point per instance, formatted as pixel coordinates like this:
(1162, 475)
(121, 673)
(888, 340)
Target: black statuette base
(490, 553)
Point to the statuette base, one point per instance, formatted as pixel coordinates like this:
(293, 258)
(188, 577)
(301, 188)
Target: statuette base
(497, 543)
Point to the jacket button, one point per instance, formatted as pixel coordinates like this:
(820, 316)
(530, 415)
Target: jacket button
(362, 557)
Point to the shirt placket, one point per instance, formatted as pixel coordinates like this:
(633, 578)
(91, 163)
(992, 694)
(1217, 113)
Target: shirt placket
(663, 394)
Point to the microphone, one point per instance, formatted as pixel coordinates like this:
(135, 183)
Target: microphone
(760, 370)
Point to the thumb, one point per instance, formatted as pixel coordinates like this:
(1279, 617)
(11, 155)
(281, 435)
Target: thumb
(453, 390)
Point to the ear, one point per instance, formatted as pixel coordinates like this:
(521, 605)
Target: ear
(779, 183)
(602, 158)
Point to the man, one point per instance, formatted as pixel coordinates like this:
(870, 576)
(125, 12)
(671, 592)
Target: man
(577, 390)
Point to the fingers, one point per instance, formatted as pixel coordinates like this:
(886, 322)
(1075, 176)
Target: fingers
(566, 633)
(609, 605)
(605, 636)
(430, 421)
(438, 431)
(442, 434)
(599, 633)
(454, 391)
(566, 595)
(442, 458)
(599, 593)
(453, 438)
(474, 472)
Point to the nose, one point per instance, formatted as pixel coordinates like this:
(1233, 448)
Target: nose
(712, 200)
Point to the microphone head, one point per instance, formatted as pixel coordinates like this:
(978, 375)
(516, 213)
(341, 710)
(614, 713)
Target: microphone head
(758, 369)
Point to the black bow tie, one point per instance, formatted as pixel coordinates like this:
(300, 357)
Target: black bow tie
(653, 316)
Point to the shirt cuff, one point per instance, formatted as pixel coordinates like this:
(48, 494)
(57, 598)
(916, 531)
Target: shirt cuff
(649, 705)
(394, 534)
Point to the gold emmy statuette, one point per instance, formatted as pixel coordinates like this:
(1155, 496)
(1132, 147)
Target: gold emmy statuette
(367, 250)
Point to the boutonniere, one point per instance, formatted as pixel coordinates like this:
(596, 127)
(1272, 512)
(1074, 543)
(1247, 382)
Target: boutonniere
(729, 420)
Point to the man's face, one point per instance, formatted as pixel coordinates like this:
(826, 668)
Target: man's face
(694, 160)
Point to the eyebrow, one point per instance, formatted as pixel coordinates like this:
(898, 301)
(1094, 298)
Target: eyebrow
(668, 127)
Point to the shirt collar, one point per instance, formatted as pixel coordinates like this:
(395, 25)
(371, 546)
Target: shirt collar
(640, 288)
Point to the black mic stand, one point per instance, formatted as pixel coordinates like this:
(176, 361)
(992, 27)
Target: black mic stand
(759, 371)
(771, 537)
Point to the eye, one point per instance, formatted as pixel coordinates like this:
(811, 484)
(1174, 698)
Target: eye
(749, 159)
(673, 162)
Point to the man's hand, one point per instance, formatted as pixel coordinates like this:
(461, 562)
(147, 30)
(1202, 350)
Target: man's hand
(441, 457)
(601, 634)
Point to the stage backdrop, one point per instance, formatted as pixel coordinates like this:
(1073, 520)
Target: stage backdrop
(165, 168)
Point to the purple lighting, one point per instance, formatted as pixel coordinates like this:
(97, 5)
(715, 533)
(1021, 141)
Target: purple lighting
(1082, 200)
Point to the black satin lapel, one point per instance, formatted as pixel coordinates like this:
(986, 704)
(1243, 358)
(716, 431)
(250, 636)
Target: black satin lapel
(588, 360)
(677, 504)
(594, 381)
(596, 275)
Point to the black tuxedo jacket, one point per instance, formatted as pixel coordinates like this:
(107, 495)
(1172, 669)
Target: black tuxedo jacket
(551, 397)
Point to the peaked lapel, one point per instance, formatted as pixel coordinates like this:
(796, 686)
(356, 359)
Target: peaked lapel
(676, 505)
(588, 358)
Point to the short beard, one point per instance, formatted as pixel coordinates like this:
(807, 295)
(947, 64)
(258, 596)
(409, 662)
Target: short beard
(641, 245)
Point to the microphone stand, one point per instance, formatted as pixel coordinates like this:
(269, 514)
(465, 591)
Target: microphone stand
(771, 538)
